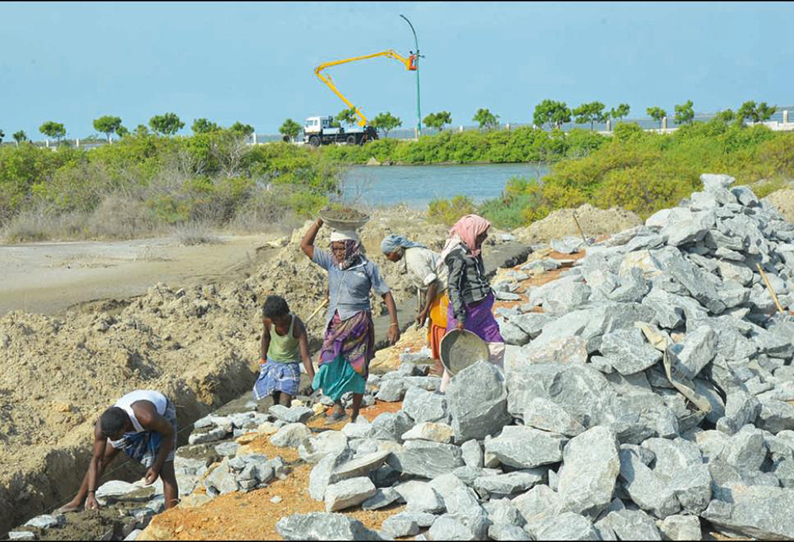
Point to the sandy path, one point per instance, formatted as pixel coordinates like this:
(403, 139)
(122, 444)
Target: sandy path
(48, 278)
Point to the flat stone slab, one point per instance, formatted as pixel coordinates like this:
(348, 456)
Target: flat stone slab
(511, 483)
(323, 526)
(434, 432)
(295, 414)
(360, 466)
(348, 493)
(524, 447)
(46, 521)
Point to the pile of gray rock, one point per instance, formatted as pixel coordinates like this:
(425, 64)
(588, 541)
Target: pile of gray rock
(652, 399)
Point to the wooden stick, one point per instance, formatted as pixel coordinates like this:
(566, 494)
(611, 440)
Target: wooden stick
(771, 290)
(580, 229)
(316, 311)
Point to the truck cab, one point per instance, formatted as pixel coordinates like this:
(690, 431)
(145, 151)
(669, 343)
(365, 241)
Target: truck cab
(321, 131)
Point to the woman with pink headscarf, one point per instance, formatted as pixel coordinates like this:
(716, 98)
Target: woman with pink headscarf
(471, 299)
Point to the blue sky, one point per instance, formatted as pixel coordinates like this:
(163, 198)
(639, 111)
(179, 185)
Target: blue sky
(254, 62)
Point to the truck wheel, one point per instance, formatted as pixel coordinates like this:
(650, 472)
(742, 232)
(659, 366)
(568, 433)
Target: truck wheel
(351, 140)
(314, 141)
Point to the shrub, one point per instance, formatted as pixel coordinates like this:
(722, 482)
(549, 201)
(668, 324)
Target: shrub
(449, 211)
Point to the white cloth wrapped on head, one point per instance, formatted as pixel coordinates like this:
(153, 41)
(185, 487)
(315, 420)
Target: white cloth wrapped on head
(344, 235)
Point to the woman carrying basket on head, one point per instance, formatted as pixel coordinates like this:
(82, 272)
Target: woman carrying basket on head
(349, 342)
(471, 298)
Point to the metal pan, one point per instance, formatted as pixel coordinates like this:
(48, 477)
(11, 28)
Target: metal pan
(461, 349)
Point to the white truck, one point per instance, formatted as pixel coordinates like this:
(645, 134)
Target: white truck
(321, 131)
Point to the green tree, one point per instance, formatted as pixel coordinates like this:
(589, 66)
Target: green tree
(438, 120)
(241, 129)
(107, 125)
(141, 131)
(291, 129)
(755, 113)
(53, 130)
(620, 112)
(167, 124)
(204, 126)
(657, 114)
(122, 131)
(684, 113)
(20, 136)
(486, 119)
(386, 122)
(725, 116)
(348, 116)
(764, 112)
(591, 112)
(555, 114)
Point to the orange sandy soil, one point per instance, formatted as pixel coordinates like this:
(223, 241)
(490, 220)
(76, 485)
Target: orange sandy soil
(253, 516)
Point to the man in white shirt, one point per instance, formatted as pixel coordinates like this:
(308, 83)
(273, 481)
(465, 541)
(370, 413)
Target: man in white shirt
(430, 278)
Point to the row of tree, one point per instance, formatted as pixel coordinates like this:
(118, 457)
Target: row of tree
(549, 113)
(554, 114)
(167, 125)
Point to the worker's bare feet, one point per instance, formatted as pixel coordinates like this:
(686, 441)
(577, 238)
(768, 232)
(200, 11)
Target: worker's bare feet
(66, 508)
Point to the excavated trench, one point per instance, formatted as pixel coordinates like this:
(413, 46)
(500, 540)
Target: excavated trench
(54, 480)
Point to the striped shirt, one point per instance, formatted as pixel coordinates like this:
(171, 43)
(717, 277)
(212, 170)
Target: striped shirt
(467, 281)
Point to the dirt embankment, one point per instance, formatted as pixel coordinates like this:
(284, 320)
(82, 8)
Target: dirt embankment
(783, 201)
(198, 345)
(593, 221)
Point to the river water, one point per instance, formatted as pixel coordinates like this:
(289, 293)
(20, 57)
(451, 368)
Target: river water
(416, 186)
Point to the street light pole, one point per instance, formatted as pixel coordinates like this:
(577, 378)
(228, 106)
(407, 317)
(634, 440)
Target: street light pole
(418, 107)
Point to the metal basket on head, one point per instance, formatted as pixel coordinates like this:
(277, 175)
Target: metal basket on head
(343, 224)
(461, 349)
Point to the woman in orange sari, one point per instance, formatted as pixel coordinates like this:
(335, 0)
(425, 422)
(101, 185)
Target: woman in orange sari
(430, 278)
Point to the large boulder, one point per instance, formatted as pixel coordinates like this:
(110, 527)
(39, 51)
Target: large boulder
(426, 459)
(679, 464)
(591, 466)
(631, 525)
(424, 406)
(477, 399)
(761, 512)
(391, 425)
(627, 351)
(642, 486)
(580, 389)
(546, 415)
(565, 526)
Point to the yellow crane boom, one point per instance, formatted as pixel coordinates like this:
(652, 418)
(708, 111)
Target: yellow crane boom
(319, 71)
